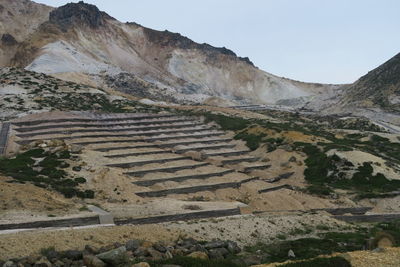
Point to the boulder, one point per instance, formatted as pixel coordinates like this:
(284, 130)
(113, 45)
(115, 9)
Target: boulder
(132, 245)
(233, 247)
(72, 255)
(141, 264)
(215, 244)
(291, 254)
(160, 247)
(198, 255)
(43, 262)
(114, 257)
(215, 254)
(154, 254)
(93, 261)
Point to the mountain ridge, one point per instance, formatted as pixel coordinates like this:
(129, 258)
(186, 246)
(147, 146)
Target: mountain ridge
(179, 68)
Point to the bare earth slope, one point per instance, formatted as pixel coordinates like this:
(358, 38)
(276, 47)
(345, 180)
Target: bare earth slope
(80, 43)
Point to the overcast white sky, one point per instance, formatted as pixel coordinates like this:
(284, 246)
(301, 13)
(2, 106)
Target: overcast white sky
(309, 40)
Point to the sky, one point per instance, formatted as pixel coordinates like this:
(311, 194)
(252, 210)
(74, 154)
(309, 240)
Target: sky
(326, 41)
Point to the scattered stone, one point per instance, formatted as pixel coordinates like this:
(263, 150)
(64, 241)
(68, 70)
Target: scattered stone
(198, 255)
(214, 244)
(132, 245)
(43, 262)
(156, 255)
(233, 247)
(93, 261)
(9, 264)
(114, 257)
(140, 252)
(379, 250)
(91, 249)
(77, 168)
(160, 247)
(291, 254)
(73, 255)
(141, 264)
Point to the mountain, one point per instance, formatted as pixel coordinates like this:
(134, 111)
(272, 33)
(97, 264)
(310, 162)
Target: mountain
(78, 42)
(378, 88)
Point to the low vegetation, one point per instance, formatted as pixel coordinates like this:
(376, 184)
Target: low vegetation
(46, 170)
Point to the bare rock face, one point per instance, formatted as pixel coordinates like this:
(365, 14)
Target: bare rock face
(8, 40)
(176, 40)
(380, 87)
(78, 13)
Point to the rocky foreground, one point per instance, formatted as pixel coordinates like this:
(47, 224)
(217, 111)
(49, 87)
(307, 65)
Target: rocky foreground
(136, 253)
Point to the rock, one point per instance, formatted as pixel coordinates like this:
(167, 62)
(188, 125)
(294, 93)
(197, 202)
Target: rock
(91, 249)
(76, 149)
(72, 255)
(346, 256)
(187, 243)
(114, 257)
(252, 260)
(379, 250)
(140, 252)
(58, 263)
(8, 39)
(155, 255)
(141, 264)
(93, 261)
(233, 247)
(292, 159)
(43, 262)
(168, 255)
(215, 254)
(132, 245)
(215, 244)
(9, 264)
(77, 168)
(198, 255)
(147, 244)
(178, 252)
(77, 14)
(160, 247)
(291, 254)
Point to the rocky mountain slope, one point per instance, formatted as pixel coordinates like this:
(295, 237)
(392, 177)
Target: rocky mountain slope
(78, 42)
(379, 88)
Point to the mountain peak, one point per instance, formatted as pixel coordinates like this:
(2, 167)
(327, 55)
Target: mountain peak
(78, 13)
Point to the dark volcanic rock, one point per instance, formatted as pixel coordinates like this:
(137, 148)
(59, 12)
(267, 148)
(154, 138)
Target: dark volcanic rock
(8, 39)
(176, 40)
(78, 13)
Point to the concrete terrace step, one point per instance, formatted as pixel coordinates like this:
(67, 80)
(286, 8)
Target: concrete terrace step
(152, 139)
(183, 150)
(99, 125)
(141, 163)
(256, 167)
(143, 133)
(180, 217)
(271, 189)
(141, 173)
(134, 154)
(182, 178)
(207, 141)
(227, 153)
(240, 160)
(144, 128)
(193, 189)
(139, 116)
